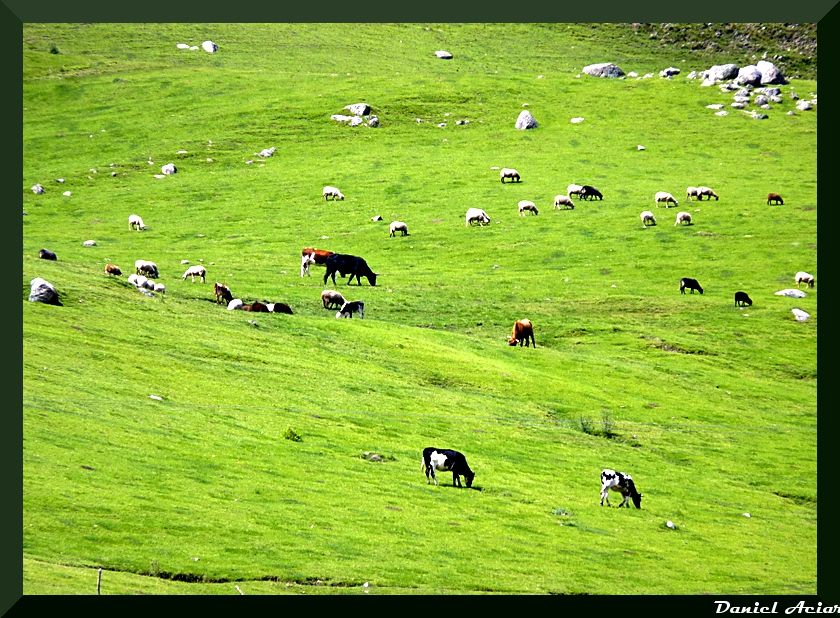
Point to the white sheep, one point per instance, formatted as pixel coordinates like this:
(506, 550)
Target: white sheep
(150, 269)
(159, 288)
(195, 271)
(574, 189)
(692, 192)
(168, 169)
(332, 192)
(683, 217)
(665, 197)
(332, 299)
(803, 277)
(236, 303)
(476, 215)
(647, 218)
(563, 200)
(508, 172)
(527, 206)
(139, 281)
(135, 222)
(708, 192)
(398, 226)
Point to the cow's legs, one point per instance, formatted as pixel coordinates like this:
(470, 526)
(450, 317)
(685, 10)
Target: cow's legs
(604, 496)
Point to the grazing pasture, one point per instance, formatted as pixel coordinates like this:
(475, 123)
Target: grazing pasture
(188, 449)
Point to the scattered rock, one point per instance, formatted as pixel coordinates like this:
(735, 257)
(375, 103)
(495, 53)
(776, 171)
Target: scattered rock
(739, 105)
(577, 120)
(669, 72)
(715, 106)
(749, 74)
(267, 152)
(791, 293)
(376, 218)
(746, 515)
(210, 47)
(670, 524)
(722, 112)
(803, 105)
(182, 46)
(640, 147)
(525, 121)
(603, 69)
(770, 74)
(800, 315)
(720, 72)
(42, 291)
(443, 55)
(631, 74)
(373, 121)
(358, 109)
(67, 194)
(158, 398)
(89, 243)
(37, 189)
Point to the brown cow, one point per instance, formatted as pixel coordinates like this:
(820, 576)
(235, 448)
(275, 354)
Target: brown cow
(310, 255)
(223, 293)
(775, 198)
(112, 269)
(255, 306)
(523, 331)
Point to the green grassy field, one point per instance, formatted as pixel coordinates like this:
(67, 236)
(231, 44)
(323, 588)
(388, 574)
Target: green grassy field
(711, 408)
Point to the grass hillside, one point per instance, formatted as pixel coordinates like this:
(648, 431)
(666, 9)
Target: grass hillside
(252, 468)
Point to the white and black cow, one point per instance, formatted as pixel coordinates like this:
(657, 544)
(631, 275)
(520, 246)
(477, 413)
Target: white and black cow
(623, 484)
(446, 460)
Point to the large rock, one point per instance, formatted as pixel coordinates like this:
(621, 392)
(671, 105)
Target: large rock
(42, 291)
(210, 47)
(525, 120)
(749, 75)
(720, 72)
(669, 72)
(770, 74)
(359, 109)
(443, 54)
(603, 69)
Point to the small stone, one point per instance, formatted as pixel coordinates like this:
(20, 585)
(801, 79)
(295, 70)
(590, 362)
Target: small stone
(156, 397)
(670, 525)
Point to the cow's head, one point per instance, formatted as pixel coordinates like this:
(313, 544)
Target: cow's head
(637, 500)
(468, 477)
(513, 341)
(372, 278)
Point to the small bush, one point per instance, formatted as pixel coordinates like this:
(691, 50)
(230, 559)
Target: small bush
(54, 49)
(586, 425)
(292, 435)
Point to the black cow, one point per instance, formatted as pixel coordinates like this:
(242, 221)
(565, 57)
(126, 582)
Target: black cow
(691, 284)
(446, 460)
(742, 299)
(623, 484)
(352, 265)
(590, 193)
(46, 254)
(351, 307)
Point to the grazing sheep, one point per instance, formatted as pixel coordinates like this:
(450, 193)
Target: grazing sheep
(692, 192)
(135, 222)
(589, 192)
(476, 215)
(222, 292)
(742, 299)
(507, 172)
(647, 218)
(708, 192)
(527, 206)
(332, 192)
(666, 198)
(683, 217)
(159, 288)
(775, 198)
(349, 308)
(236, 303)
(168, 169)
(691, 284)
(574, 189)
(195, 271)
(144, 267)
(398, 226)
(803, 277)
(332, 299)
(112, 269)
(46, 254)
(563, 200)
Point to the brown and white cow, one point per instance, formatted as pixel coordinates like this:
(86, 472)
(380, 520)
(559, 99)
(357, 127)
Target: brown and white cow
(309, 256)
(523, 332)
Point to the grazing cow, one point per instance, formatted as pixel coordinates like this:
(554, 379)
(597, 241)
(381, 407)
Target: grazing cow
(446, 460)
(46, 254)
(523, 332)
(332, 299)
(691, 284)
(349, 308)
(476, 215)
(623, 484)
(775, 198)
(195, 271)
(527, 206)
(255, 306)
(803, 277)
(222, 292)
(112, 269)
(507, 172)
(742, 299)
(590, 193)
(352, 265)
(310, 255)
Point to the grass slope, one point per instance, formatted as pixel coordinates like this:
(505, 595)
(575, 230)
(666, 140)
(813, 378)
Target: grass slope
(710, 407)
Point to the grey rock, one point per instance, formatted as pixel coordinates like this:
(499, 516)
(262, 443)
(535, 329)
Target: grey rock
(603, 69)
(749, 75)
(720, 72)
(525, 120)
(770, 74)
(42, 291)
(358, 109)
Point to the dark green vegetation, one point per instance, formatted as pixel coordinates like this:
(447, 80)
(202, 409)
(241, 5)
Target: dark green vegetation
(254, 467)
